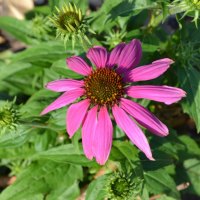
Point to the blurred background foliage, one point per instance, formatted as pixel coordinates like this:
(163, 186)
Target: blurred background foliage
(38, 160)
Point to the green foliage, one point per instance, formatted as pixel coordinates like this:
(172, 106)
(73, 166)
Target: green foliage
(189, 81)
(96, 189)
(192, 168)
(45, 52)
(159, 181)
(48, 180)
(18, 29)
(7, 70)
(65, 154)
(14, 138)
(47, 163)
(83, 4)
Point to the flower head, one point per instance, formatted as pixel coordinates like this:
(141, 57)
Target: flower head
(123, 185)
(40, 27)
(70, 24)
(9, 117)
(108, 89)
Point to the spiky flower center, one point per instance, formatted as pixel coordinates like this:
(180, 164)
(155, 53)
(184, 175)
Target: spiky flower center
(120, 186)
(68, 20)
(195, 4)
(8, 117)
(123, 185)
(104, 87)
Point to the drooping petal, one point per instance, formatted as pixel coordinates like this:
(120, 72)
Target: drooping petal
(114, 55)
(144, 117)
(148, 72)
(130, 55)
(165, 60)
(165, 94)
(78, 65)
(88, 132)
(132, 130)
(65, 99)
(98, 56)
(75, 115)
(103, 137)
(64, 85)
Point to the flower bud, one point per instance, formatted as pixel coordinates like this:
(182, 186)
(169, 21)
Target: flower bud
(40, 27)
(189, 7)
(123, 185)
(70, 24)
(9, 117)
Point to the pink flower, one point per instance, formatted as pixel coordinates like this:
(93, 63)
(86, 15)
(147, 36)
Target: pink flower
(107, 90)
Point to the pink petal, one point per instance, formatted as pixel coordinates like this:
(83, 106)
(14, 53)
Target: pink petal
(148, 72)
(78, 65)
(144, 117)
(165, 94)
(130, 55)
(114, 55)
(103, 137)
(64, 85)
(65, 99)
(132, 131)
(165, 60)
(88, 132)
(98, 56)
(75, 115)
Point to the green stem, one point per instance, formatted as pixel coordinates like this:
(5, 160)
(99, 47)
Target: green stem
(86, 44)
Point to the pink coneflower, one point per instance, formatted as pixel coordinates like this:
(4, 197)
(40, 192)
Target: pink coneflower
(109, 89)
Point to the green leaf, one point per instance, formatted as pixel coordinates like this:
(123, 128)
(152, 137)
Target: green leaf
(65, 154)
(192, 167)
(125, 8)
(42, 94)
(15, 138)
(14, 77)
(145, 193)
(82, 4)
(48, 179)
(57, 120)
(127, 154)
(37, 102)
(99, 18)
(44, 52)
(164, 152)
(16, 154)
(52, 4)
(189, 81)
(38, 10)
(20, 29)
(190, 144)
(127, 150)
(165, 197)
(62, 193)
(96, 189)
(35, 197)
(7, 70)
(117, 8)
(149, 47)
(159, 181)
